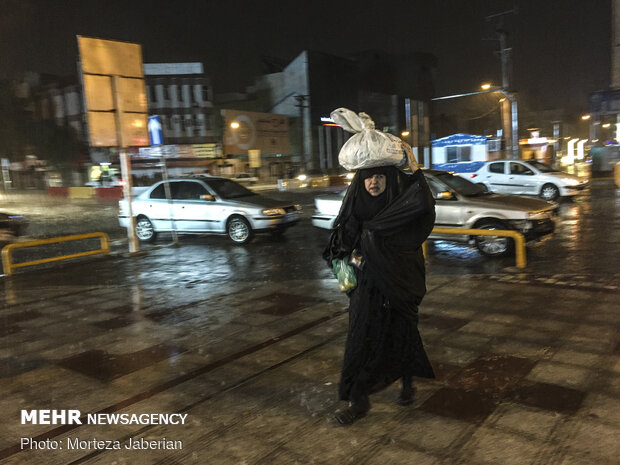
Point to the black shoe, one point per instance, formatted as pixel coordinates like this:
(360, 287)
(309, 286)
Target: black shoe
(354, 412)
(406, 396)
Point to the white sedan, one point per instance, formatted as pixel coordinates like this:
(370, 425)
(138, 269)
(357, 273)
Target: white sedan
(520, 177)
(207, 205)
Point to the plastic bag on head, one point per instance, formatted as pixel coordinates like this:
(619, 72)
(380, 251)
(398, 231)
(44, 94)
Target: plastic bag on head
(368, 148)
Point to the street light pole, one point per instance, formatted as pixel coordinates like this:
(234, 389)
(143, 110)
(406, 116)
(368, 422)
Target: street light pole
(301, 99)
(504, 52)
(514, 133)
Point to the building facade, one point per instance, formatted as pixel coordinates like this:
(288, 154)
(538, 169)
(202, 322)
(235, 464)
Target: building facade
(182, 96)
(180, 93)
(387, 87)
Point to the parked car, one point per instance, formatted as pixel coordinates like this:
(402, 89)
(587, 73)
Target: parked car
(520, 177)
(245, 178)
(463, 204)
(207, 205)
(11, 227)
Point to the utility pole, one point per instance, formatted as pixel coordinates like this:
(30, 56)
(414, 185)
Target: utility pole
(509, 106)
(301, 99)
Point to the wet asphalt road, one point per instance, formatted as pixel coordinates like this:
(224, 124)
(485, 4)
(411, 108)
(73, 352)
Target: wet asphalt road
(586, 241)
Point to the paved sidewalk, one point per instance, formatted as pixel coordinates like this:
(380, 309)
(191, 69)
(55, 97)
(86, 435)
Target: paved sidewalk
(528, 370)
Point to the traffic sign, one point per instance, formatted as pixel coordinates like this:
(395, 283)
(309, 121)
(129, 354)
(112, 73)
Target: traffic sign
(155, 131)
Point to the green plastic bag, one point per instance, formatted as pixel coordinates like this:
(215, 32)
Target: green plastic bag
(345, 274)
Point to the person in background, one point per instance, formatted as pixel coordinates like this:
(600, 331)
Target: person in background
(385, 217)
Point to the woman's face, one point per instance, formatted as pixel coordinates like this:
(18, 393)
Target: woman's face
(375, 185)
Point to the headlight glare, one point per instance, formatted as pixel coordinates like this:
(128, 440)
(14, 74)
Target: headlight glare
(273, 211)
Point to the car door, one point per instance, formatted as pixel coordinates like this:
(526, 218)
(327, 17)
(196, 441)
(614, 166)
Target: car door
(156, 207)
(494, 176)
(521, 179)
(448, 212)
(192, 213)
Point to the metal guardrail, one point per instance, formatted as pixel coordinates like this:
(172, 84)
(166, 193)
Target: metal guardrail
(517, 236)
(9, 266)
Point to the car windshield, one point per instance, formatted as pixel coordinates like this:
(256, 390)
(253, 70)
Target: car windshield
(460, 185)
(227, 189)
(542, 167)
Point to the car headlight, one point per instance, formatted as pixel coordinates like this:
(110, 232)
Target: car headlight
(302, 177)
(297, 207)
(538, 215)
(521, 225)
(571, 182)
(273, 211)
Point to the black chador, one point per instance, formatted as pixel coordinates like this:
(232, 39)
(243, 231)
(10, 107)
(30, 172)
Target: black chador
(383, 342)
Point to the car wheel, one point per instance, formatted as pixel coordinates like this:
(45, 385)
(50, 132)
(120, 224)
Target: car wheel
(145, 230)
(239, 230)
(549, 192)
(493, 246)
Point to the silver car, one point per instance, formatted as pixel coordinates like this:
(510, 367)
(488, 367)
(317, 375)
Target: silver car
(462, 204)
(207, 205)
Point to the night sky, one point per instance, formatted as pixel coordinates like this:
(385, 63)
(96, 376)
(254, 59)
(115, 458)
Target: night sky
(561, 47)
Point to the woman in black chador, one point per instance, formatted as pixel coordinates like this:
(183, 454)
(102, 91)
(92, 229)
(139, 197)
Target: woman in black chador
(385, 217)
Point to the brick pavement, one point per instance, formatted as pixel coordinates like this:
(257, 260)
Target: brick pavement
(528, 371)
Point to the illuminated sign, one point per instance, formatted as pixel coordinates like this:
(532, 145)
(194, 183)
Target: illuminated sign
(459, 139)
(327, 121)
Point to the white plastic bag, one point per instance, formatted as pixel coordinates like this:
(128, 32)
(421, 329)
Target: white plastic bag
(369, 148)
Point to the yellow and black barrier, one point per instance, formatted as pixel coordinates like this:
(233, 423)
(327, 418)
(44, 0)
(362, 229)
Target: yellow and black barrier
(9, 266)
(517, 236)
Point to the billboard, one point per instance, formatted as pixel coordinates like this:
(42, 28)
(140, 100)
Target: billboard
(182, 151)
(110, 57)
(114, 92)
(247, 130)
